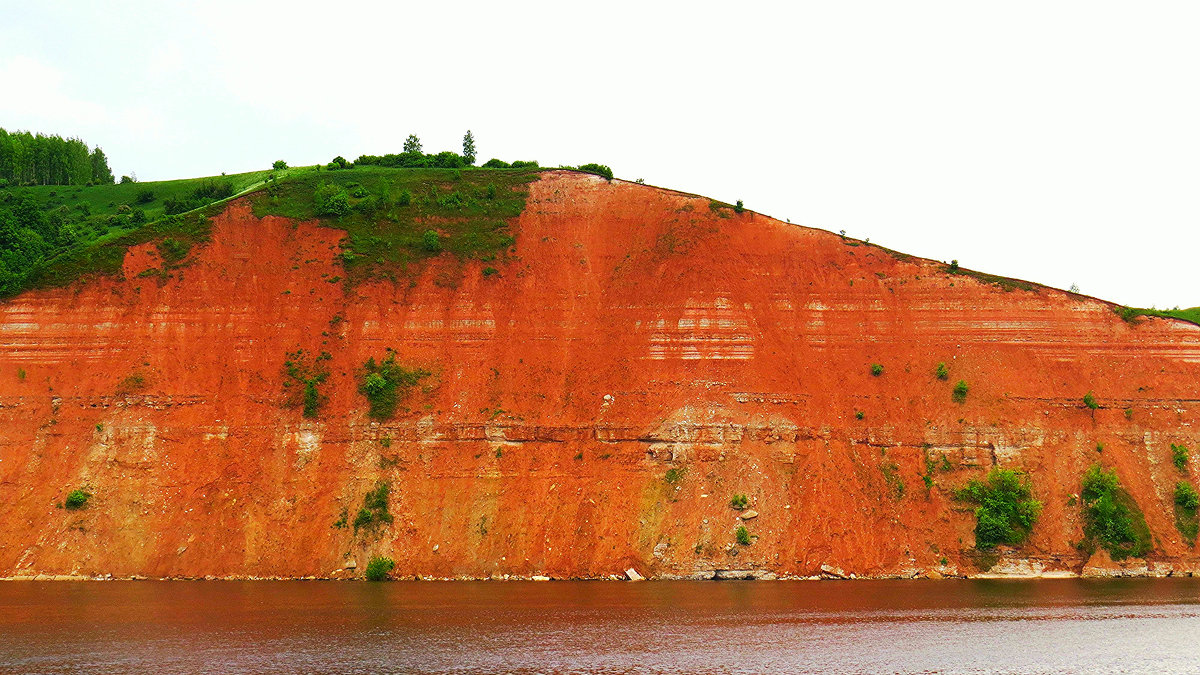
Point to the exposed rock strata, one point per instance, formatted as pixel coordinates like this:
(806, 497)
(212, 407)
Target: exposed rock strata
(633, 330)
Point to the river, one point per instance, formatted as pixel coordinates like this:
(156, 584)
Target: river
(918, 626)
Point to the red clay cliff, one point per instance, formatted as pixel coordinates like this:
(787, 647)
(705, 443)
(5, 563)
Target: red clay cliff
(633, 331)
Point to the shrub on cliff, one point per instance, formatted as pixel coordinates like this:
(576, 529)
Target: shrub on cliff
(1089, 400)
(960, 391)
(386, 383)
(598, 169)
(876, 369)
(941, 372)
(303, 375)
(375, 507)
(1187, 502)
(743, 535)
(1005, 511)
(1111, 518)
(1179, 457)
(379, 567)
(76, 500)
(739, 502)
(331, 200)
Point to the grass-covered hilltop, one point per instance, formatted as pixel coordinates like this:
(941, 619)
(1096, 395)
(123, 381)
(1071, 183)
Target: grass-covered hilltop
(395, 208)
(64, 216)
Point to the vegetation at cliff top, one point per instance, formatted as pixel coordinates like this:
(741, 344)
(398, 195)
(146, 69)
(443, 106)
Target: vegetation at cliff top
(1005, 511)
(1134, 314)
(1111, 518)
(379, 567)
(37, 159)
(386, 383)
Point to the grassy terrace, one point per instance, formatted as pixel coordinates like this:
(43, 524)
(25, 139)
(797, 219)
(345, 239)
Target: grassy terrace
(393, 217)
(396, 217)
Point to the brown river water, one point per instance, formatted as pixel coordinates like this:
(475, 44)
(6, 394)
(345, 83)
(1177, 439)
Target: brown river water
(949, 626)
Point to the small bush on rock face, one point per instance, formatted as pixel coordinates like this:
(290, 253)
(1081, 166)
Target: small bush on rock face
(386, 383)
(1006, 511)
(960, 391)
(743, 535)
(876, 369)
(739, 502)
(379, 567)
(1111, 517)
(942, 372)
(1179, 456)
(1187, 502)
(431, 241)
(77, 500)
(1089, 400)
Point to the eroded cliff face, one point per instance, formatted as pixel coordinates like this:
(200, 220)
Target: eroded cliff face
(633, 331)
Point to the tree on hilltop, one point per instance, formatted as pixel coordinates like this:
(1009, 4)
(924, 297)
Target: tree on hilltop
(469, 148)
(412, 144)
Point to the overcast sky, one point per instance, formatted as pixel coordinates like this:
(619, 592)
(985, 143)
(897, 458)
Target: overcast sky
(1053, 141)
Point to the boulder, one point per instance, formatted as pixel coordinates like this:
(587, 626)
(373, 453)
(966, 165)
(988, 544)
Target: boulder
(747, 515)
(632, 575)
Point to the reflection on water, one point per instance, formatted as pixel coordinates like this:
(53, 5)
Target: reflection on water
(1045, 626)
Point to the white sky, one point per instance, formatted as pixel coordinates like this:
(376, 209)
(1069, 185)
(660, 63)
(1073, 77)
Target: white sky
(1053, 141)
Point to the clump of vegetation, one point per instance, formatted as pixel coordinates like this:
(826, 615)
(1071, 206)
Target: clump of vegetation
(858, 414)
(77, 499)
(279, 165)
(1089, 400)
(674, 475)
(1187, 502)
(742, 535)
(303, 374)
(1132, 315)
(876, 369)
(343, 520)
(173, 250)
(133, 382)
(386, 383)
(739, 502)
(891, 476)
(379, 567)
(942, 372)
(598, 169)
(1005, 510)
(375, 507)
(961, 388)
(738, 207)
(1111, 518)
(1179, 457)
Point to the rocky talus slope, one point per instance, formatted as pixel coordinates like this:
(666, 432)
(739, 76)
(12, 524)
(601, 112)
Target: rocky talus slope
(639, 359)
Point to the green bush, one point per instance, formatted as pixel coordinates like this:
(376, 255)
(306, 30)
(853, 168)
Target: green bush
(1179, 456)
(532, 164)
(1187, 502)
(496, 164)
(1111, 518)
(145, 196)
(379, 567)
(960, 391)
(674, 475)
(303, 374)
(279, 165)
(942, 372)
(1089, 400)
(173, 250)
(375, 507)
(739, 502)
(1005, 511)
(743, 535)
(331, 200)
(738, 207)
(598, 169)
(876, 369)
(431, 242)
(489, 271)
(77, 499)
(385, 383)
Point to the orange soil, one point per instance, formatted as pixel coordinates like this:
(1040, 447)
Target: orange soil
(635, 330)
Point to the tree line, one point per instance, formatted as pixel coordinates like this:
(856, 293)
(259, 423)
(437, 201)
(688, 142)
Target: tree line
(39, 159)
